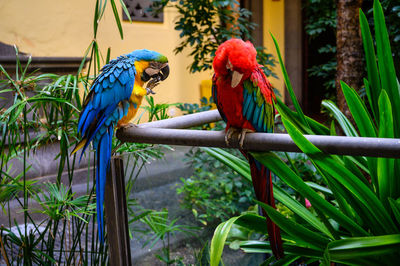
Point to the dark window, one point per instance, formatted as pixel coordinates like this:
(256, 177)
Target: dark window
(139, 11)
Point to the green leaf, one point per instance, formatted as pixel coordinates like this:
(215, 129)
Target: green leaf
(117, 19)
(345, 124)
(359, 111)
(126, 11)
(356, 247)
(96, 19)
(300, 210)
(218, 240)
(320, 188)
(257, 246)
(385, 168)
(385, 63)
(351, 182)
(235, 163)
(372, 85)
(316, 127)
(289, 86)
(311, 238)
(17, 108)
(364, 123)
(278, 167)
(108, 54)
(395, 205)
(253, 222)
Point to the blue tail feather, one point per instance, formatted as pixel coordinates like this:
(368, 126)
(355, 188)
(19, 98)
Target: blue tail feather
(103, 163)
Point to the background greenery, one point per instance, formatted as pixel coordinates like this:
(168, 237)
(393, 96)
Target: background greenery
(44, 110)
(354, 214)
(320, 28)
(203, 25)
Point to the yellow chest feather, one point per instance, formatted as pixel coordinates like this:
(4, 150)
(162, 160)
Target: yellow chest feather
(137, 93)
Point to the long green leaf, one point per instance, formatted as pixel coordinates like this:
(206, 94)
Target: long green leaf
(357, 247)
(117, 19)
(313, 239)
(345, 124)
(232, 161)
(364, 123)
(218, 240)
(372, 85)
(95, 20)
(359, 111)
(278, 167)
(284, 112)
(126, 11)
(385, 63)
(316, 127)
(289, 85)
(385, 169)
(395, 205)
(330, 164)
(300, 210)
(236, 164)
(319, 187)
(257, 246)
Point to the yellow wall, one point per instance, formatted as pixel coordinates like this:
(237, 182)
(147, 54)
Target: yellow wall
(274, 22)
(65, 28)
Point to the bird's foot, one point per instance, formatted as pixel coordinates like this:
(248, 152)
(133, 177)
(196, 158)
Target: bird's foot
(242, 135)
(126, 125)
(151, 85)
(229, 134)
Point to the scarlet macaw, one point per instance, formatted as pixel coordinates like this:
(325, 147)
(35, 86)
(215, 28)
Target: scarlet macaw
(244, 98)
(113, 101)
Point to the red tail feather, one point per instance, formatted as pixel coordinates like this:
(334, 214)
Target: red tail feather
(262, 183)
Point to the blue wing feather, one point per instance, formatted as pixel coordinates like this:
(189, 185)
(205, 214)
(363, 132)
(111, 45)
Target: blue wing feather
(255, 105)
(100, 114)
(106, 103)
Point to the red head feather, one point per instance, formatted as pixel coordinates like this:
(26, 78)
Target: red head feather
(242, 56)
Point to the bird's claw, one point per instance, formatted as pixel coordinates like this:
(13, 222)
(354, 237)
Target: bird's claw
(152, 84)
(150, 91)
(229, 134)
(242, 136)
(128, 125)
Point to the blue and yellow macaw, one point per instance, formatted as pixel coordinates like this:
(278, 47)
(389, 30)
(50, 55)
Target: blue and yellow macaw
(113, 101)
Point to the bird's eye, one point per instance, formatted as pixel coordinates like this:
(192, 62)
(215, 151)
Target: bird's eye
(229, 65)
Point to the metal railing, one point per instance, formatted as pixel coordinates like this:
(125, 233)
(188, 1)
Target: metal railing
(172, 131)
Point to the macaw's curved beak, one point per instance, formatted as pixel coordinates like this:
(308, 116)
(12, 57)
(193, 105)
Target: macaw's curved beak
(155, 73)
(164, 71)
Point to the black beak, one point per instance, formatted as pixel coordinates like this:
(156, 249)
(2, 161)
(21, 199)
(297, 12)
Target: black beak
(164, 71)
(156, 71)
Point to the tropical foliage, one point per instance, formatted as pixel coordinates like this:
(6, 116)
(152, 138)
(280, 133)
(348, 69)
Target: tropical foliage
(354, 216)
(320, 27)
(43, 110)
(203, 25)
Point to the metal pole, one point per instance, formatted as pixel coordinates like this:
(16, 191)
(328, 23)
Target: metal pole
(374, 147)
(185, 121)
(117, 215)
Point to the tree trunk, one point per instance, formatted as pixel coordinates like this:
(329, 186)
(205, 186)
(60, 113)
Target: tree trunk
(349, 50)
